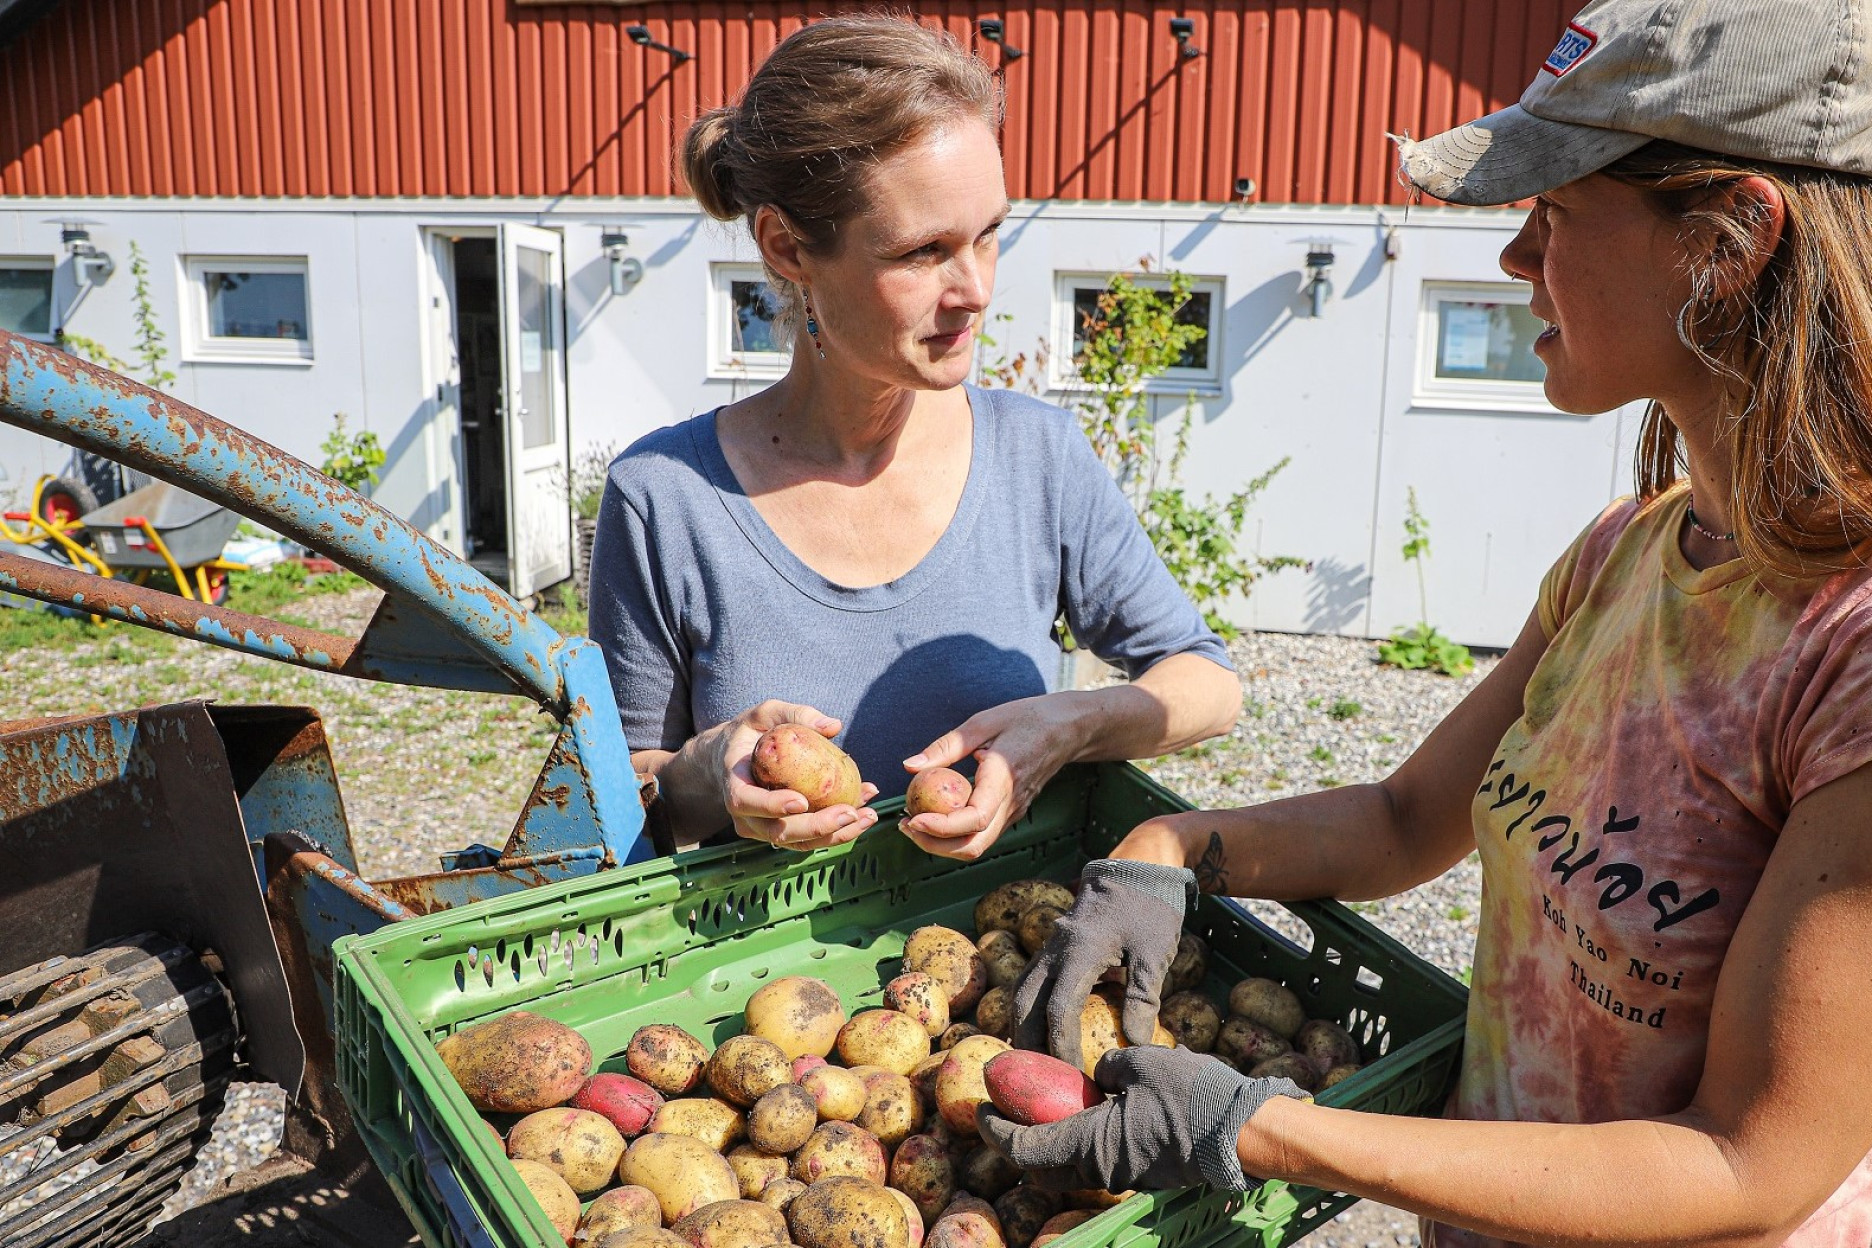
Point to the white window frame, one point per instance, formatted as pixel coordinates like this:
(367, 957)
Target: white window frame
(201, 347)
(49, 265)
(1175, 381)
(724, 362)
(1461, 393)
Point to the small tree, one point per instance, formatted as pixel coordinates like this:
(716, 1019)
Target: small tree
(1422, 646)
(150, 352)
(1133, 335)
(351, 458)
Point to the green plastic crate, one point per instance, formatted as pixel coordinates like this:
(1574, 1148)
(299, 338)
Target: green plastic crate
(688, 939)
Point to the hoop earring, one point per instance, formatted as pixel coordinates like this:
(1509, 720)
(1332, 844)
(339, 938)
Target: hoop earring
(812, 326)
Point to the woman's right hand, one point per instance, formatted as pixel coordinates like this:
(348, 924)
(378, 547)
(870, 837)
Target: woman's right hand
(777, 816)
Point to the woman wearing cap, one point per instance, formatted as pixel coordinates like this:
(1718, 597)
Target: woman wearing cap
(1669, 776)
(870, 547)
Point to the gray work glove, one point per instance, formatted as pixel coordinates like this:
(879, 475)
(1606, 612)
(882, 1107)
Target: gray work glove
(1173, 1122)
(1129, 914)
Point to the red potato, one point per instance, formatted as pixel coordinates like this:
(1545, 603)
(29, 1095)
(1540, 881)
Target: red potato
(937, 791)
(1034, 1088)
(517, 1063)
(627, 1103)
(793, 756)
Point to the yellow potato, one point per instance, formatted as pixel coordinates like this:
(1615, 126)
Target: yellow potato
(746, 1068)
(1001, 909)
(554, 1195)
(754, 1170)
(1193, 1020)
(583, 1148)
(847, 1212)
(960, 1085)
(618, 1210)
(648, 1237)
(706, 1118)
(912, 1215)
(994, 1013)
(1269, 1004)
(952, 960)
(517, 1063)
(781, 1120)
(793, 756)
(893, 1112)
(733, 1224)
(1036, 926)
(884, 1038)
(682, 1172)
(922, 998)
(840, 1093)
(924, 1170)
(1003, 956)
(1189, 966)
(667, 1058)
(800, 1014)
(1101, 1027)
(839, 1148)
(780, 1193)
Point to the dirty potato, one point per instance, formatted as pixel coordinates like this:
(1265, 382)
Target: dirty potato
(1339, 1074)
(1036, 925)
(800, 1014)
(1242, 1044)
(1326, 1044)
(912, 1216)
(1001, 909)
(683, 1173)
(1292, 1066)
(847, 1212)
(667, 1058)
(986, 1173)
(517, 1063)
(893, 1112)
(1269, 1004)
(746, 1068)
(1101, 1027)
(582, 1147)
(961, 1085)
(755, 1170)
(924, 1170)
(955, 1033)
(1003, 956)
(1056, 1226)
(950, 958)
(1190, 965)
(553, 1193)
(839, 1148)
(732, 1224)
(1024, 1210)
(839, 1093)
(884, 1038)
(618, 1210)
(648, 1237)
(781, 1120)
(709, 1119)
(780, 1193)
(922, 998)
(1193, 1020)
(793, 756)
(994, 1013)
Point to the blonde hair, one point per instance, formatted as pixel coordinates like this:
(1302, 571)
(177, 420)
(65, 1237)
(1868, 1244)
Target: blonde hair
(1794, 350)
(826, 105)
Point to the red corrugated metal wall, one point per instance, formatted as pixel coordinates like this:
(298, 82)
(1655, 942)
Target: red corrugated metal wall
(489, 97)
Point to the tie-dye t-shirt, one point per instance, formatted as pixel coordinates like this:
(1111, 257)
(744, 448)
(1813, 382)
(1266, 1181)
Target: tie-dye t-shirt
(1675, 718)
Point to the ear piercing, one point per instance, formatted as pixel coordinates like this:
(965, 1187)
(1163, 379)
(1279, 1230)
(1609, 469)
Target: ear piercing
(812, 325)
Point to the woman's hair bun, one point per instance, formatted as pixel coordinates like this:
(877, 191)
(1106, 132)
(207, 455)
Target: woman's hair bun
(706, 165)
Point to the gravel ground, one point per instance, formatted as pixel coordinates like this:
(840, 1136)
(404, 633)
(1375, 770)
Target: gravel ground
(426, 770)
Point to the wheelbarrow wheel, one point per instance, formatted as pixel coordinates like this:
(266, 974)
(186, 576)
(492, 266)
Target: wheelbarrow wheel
(63, 501)
(217, 587)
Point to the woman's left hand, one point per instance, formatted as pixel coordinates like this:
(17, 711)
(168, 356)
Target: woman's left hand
(1018, 746)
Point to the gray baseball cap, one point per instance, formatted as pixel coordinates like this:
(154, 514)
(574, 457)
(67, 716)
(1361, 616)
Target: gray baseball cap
(1777, 80)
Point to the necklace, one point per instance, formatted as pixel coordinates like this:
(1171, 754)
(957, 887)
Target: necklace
(1714, 537)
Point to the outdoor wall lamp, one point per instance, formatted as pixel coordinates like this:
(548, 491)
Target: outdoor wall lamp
(626, 269)
(640, 35)
(1318, 286)
(94, 266)
(994, 30)
(1182, 29)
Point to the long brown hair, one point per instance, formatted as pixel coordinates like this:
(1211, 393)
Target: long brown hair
(1795, 352)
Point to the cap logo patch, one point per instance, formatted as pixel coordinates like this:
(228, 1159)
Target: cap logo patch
(1571, 50)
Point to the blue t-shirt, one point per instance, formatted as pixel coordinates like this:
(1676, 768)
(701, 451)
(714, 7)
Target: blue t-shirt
(703, 612)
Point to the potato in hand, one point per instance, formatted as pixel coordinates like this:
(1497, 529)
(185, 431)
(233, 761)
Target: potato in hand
(793, 756)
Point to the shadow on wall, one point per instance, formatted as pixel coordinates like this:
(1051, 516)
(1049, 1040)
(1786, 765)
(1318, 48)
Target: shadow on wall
(588, 289)
(947, 680)
(1337, 595)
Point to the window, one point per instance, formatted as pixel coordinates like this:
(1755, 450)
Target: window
(745, 338)
(1477, 348)
(1076, 300)
(26, 297)
(248, 310)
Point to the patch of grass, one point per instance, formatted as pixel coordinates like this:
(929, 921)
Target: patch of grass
(1313, 704)
(1385, 738)
(1330, 782)
(1362, 907)
(1457, 913)
(1465, 975)
(1320, 754)
(1254, 708)
(1344, 709)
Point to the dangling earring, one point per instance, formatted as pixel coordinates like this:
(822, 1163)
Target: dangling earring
(812, 326)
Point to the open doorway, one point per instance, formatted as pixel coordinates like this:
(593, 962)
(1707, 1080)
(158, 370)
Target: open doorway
(499, 318)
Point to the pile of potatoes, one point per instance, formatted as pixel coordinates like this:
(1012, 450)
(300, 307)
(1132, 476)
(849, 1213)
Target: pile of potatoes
(822, 1130)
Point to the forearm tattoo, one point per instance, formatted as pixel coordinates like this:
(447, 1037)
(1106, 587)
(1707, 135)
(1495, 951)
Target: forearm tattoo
(1211, 873)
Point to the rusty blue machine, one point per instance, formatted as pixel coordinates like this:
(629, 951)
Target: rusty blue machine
(172, 877)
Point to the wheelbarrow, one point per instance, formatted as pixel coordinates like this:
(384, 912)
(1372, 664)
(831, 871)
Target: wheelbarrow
(174, 876)
(160, 528)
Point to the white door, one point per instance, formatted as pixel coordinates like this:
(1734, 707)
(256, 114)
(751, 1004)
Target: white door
(539, 517)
